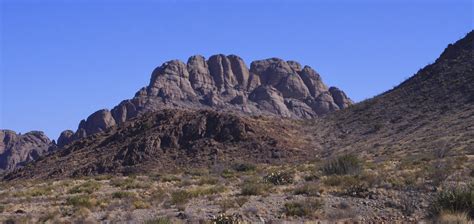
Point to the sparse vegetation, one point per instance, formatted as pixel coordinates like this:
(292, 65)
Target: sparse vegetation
(128, 183)
(81, 201)
(309, 189)
(88, 187)
(161, 220)
(244, 167)
(304, 208)
(343, 165)
(123, 194)
(253, 187)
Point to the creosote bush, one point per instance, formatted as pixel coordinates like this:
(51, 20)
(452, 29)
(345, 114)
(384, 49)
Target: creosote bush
(343, 165)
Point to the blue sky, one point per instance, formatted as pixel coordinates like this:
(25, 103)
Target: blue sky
(62, 60)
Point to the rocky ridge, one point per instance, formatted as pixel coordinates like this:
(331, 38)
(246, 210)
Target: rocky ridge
(173, 139)
(269, 87)
(17, 149)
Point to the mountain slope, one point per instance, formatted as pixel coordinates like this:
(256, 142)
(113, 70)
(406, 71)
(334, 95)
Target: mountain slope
(431, 111)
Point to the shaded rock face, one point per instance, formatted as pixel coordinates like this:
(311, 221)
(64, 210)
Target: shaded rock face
(172, 138)
(65, 138)
(269, 87)
(18, 149)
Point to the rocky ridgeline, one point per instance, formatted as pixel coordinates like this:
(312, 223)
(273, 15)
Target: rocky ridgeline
(17, 149)
(225, 83)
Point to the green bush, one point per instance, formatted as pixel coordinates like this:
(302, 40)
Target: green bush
(279, 178)
(455, 200)
(305, 208)
(343, 165)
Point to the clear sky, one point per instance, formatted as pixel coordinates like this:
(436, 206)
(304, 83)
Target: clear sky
(62, 60)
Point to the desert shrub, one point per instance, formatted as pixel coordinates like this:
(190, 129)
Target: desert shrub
(305, 208)
(81, 201)
(308, 189)
(123, 194)
(140, 204)
(129, 183)
(227, 219)
(227, 173)
(161, 220)
(360, 190)
(103, 177)
(450, 218)
(170, 178)
(202, 191)
(311, 177)
(244, 167)
(158, 195)
(343, 181)
(279, 178)
(88, 187)
(455, 200)
(180, 197)
(253, 187)
(343, 165)
(2, 208)
(207, 180)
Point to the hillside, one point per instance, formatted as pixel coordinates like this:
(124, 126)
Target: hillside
(431, 111)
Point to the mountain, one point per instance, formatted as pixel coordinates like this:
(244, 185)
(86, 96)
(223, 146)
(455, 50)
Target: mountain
(224, 83)
(432, 111)
(17, 149)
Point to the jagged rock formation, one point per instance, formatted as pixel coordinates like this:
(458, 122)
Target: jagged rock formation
(225, 83)
(172, 138)
(18, 149)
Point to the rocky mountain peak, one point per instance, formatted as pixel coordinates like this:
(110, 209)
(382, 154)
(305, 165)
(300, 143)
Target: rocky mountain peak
(271, 86)
(18, 149)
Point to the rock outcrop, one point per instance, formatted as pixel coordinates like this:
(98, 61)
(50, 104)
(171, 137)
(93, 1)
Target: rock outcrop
(173, 138)
(18, 149)
(269, 87)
